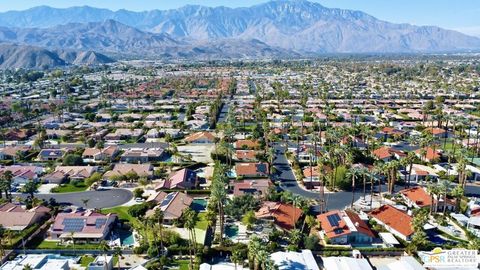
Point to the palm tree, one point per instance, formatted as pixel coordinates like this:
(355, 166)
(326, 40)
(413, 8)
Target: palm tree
(296, 202)
(2, 247)
(219, 195)
(158, 216)
(7, 177)
(190, 217)
(117, 251)
(354, 173)
(236, 257)
(30, 188)
(433, 190)
(262, 256)
(445, 187)
(458, 193)
(254, 246)
(105, 248)
(295, 237)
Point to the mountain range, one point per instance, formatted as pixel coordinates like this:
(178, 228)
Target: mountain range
(276, 29)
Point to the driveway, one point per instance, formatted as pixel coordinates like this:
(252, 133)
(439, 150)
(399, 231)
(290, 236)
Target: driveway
(97, 199)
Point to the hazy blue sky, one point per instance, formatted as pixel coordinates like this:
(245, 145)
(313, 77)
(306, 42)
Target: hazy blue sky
(462, 15)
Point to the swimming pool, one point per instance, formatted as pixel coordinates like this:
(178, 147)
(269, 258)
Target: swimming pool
(199, 204)
(126, 237)
(231, 231)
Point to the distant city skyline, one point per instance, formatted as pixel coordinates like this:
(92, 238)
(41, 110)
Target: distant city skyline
(461, 16)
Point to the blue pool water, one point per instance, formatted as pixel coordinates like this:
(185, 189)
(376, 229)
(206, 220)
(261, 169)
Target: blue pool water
(231, 231)
(126, 237)
(199, 204)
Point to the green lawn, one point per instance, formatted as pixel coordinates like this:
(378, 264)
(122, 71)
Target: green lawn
(182, 264)
(202, 223)
(86, 259)
(17, 237)
(67, 188)
(55, 245)
(122, 212)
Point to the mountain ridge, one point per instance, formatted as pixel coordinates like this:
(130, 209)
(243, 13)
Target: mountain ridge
(275, 29)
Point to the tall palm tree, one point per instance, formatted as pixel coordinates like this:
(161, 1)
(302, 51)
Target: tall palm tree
(218, 195)
(191, 218)
(445, 187)
(158, 216)
(105, 248)
(353, 173)
(433, 190)
(117, 251)
(236, 257)
(7, 177)
(458, 193)
(254, 246)
(2, 247)
(262, 256)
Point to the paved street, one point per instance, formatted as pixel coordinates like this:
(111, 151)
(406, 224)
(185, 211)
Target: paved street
(337, 200)
(97, 199)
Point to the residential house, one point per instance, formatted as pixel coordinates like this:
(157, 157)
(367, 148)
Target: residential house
(344, 227)
(438, 133)
(51, 154)
(23, 174)
(182, 179)
(345, 263)
(201, 137)
(96, 155)
(172, 205)
(124, 134)
(419, 172)
(17, 217)
(256, 187)
(82, 226)
(284, 216)
(74, 173)
(386, 154)
(417, 197)
(395, 221)
(12, 152)
(245, 155)
(246, 144)
(101, 263)
(252, 169)
(390, 133)
(143, 155)
(428, 154)
(142, 170)
(291, 260)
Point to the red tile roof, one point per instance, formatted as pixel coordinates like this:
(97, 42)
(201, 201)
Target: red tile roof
(417, 195)
(394, 218)
(285, 215)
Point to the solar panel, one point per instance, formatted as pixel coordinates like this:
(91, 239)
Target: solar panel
(73, 224)
(168, 199)
(100, 222)
(333, 220)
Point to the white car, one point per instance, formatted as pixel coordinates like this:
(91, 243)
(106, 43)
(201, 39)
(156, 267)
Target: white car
(139, 200)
